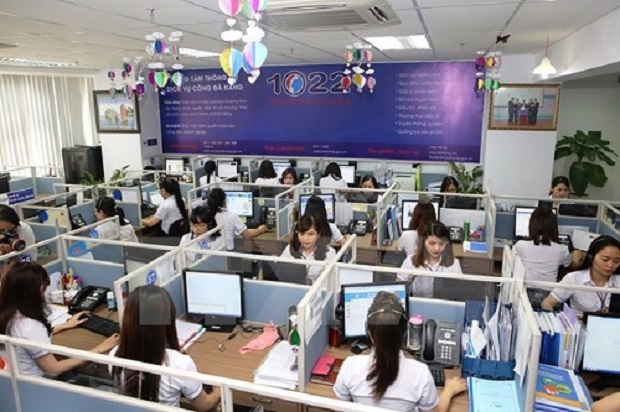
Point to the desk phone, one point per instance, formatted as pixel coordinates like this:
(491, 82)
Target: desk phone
(442, 342)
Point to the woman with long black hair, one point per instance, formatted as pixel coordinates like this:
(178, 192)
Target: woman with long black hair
(171, 213)
(105, 207)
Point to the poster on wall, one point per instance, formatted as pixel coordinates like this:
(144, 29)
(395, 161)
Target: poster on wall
(525, 107)
(418, 111)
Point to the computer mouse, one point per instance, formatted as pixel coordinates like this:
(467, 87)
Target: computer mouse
(84, 316)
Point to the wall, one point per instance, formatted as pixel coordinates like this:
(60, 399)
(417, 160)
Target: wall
(601, 98)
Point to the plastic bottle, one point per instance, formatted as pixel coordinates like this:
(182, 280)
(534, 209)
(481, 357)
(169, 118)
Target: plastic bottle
(293, 337)
(111, 301)
(476, 338)
(466, 230)
(415, 332)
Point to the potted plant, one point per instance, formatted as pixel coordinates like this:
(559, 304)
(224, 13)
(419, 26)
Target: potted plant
(470, 181)
(590, 149)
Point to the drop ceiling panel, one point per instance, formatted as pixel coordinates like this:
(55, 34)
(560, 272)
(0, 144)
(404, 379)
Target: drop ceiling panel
(463, 3)
(467, 19)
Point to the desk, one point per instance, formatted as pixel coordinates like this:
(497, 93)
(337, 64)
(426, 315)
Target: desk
(264, 244)
(460, 403)
(83, 339)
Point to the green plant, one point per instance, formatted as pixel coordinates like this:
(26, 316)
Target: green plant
(589, 148)
(118, 174)
(470, 180)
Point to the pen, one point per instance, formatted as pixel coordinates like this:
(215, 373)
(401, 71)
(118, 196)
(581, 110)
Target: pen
(192, 336)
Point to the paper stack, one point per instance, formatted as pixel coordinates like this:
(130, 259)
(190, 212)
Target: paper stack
(279, 367)
(559, 389)
(188, 333)
(57, 315)
(488, 395)
(562, 338)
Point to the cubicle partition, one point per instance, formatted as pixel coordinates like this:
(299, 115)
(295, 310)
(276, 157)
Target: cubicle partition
(609, 220)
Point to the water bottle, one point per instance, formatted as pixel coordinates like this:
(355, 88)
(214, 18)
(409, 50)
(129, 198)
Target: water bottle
(415, 332)
(111, 301)
(466, 230)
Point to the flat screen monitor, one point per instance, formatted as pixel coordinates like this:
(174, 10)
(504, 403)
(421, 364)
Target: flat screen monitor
(409, 206)
(348, 173)
(174, 167)
(218, 297)
(578, 210)
(459, 202)
(240, 203)
(350, 276)
(4, 183)
(285, 272)
(280, 167)
(522, 221)
(357, 299)
(601, 350)
(330, 204)
(226, 168)
(156, 198)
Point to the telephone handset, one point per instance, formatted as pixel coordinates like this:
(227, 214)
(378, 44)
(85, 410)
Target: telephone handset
(268, 217)
(88, 299)
(357, 227)
(442, 342)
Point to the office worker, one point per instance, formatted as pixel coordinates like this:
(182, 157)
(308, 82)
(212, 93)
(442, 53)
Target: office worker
(23, 314)
(448, 185)
(434, 254)
(610, 403)
(267, 174)
(540, 252)
(105, 207)
(600, 268)
(560, 188)
(150, 336)
(9, 222)
(332, 178)
(289, 177)
(209, 176)
(367, 182)
(201, 220)
(309, 243)
(315, 207)
(232, 223)
(423, 213)
(386, 378)
(171, 213)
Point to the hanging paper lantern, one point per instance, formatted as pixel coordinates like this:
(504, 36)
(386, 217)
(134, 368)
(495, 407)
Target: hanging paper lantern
(127, 68)
(357, 54)
(345, 83)
(124, 75)
(257, 5)
(151, 78)
(367, 55)
(231, 61)
(495, 84)
(371, 83)
(230, 7)
(111, 75)
(161, 78)
(158, 46)
(490, 61)
(348, 56)
(177, 79)
(255, 54)
(140, 89)
(488, 83)
(480, 63)
(479, 87)
(359, 80)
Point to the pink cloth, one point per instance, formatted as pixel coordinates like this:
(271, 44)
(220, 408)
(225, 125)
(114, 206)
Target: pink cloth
(266, 339)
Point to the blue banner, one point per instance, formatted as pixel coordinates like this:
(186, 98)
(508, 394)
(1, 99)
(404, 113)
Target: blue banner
(418, 111)
(19, 196)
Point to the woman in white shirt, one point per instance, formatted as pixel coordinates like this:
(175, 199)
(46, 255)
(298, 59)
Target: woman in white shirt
(9, 222)
(200, 222)
(150, 336)
(209, 176)
(308, 243)
(560, 188)
(316, 207)
(23, 314)
(386, 378)
(423, 213)
(267, 174)
(332, 178)
(434, 254)
(231, 222)
(599, 268)
(105, 207)
(171, 213)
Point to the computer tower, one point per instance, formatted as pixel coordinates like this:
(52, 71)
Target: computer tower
(78, 160)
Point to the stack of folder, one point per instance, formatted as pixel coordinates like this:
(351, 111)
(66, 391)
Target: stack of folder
(559, 389)
(279, 368)
(563, 338)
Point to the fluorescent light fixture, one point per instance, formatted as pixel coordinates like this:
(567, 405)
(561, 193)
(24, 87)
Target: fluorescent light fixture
(197, 54)
(399, 43)
(11, 61)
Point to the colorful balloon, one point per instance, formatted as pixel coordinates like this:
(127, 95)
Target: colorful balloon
(112, 92)
(231, 61)
(255, 54)
(161, 78)
(359, 80)
(371, 83)
(140, 89)
(111, 75)
(367, 54)
(127, 68)
(158, 46)
(177, 79)
(348, 56)
(151, 78)
(345, 83)
(480, 63)
(357, 54)
(230, 7)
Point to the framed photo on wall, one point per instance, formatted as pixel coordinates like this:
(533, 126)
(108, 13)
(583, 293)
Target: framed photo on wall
(525, 107)
(116, 114)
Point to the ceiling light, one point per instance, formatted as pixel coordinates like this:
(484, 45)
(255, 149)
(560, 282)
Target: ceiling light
(545, 68)
(197, 54)
(399, 43)
(419, 41)
(10, 61)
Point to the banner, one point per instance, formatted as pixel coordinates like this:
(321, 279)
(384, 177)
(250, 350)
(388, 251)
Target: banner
(418, 111)
(18, 196)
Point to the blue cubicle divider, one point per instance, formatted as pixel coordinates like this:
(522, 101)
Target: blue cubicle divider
(37, 397)
(174, 286)
(53, 267)
(256, 206)
(269, 301)
(107, 253)
(607, 231)
(578, 221)
(437, 309)
(95, 273)
(146, 187)
(185, 188)
(428, 178)
(45, 185)
(19, 183)
(315, 348)
(132, 212)
(87, 210)
(44, 232)
(212, 263)
(7, 395)
(283, 228)
(505, 223)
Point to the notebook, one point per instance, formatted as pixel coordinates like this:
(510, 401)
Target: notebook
(329, 379)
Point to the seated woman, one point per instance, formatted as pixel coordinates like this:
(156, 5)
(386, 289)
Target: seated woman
(150, 336)
(599, 268)
(308, 243)
(367, 182)
(210, 176)
(332, 178)
(9, 222)
(434, 254)
(560, 188)
(289, 177)
(423, 213)
(201, 220)
(23, 314)
(267, 174)
(171, 213)
(385, 377)
(448, 185)
(105, 207)
(541, 253)
(316, 207)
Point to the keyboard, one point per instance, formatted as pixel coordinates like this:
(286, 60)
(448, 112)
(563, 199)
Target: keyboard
(439, 376)
(101, 326)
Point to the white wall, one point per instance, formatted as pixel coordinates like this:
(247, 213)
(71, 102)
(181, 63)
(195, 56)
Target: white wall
(592, 105)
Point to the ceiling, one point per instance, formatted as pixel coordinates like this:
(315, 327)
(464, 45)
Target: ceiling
(99, 33)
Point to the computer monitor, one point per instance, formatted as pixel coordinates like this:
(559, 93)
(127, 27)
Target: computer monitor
(280, 167)
(217, 297)
(460, 202)
(330, 202)
(174, 167)
(226, 168)
(240, 203)
(409, 206)
(350, 276)
(463, 290)
(522, 221)
(348, 173)
(357, 298)
(156, 198)
(578, 210)
(4, 183)
(601, 349)
(285, 272)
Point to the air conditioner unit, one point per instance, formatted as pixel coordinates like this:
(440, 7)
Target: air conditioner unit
(326, 14)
